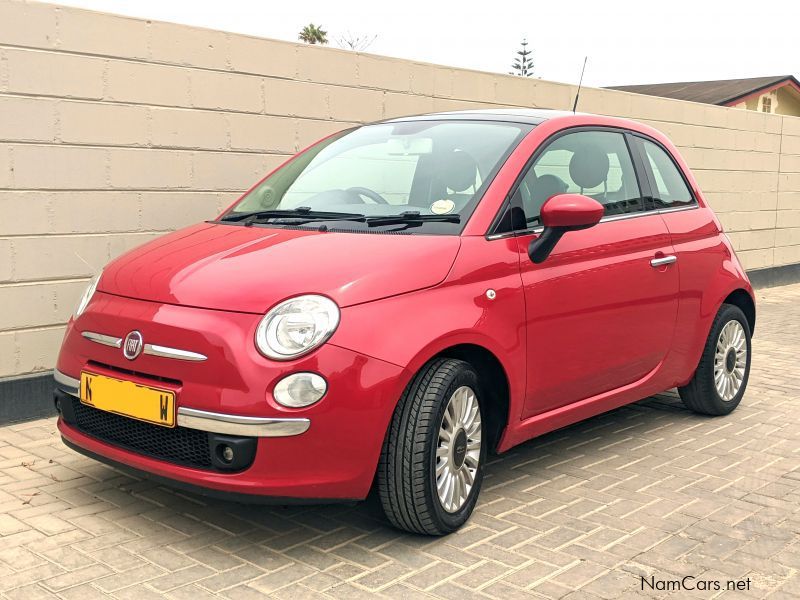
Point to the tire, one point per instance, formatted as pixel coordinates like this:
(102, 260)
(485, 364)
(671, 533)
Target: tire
(702, 394)
(407, 471)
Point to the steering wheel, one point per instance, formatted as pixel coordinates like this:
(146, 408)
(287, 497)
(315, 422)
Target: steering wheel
(367, 193)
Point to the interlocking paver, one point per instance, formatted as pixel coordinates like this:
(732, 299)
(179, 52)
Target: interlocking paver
(647, 490)
(231, 578)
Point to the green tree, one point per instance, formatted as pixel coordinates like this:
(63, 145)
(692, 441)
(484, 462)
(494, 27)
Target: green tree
(523, 64)
(313, 34)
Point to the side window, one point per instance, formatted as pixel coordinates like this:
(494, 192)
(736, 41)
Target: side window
(593, 163)
(671, 189)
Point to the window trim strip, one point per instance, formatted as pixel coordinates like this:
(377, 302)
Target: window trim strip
(608, 219)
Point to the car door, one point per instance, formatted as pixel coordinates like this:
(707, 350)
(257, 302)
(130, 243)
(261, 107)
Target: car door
(600, 311)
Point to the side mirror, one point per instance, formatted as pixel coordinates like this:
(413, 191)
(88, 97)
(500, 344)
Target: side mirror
(560, 214)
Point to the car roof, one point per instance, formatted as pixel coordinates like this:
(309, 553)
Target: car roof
(532, 116)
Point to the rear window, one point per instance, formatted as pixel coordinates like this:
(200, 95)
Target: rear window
(671, 188)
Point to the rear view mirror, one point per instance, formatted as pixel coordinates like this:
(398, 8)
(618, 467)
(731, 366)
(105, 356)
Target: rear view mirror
(409, 146)
(562, 213)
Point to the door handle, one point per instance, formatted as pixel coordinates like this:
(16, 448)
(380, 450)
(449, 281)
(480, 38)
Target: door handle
(663, 260)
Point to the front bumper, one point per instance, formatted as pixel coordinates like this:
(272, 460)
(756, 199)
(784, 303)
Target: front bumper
(326, 451)
(201, 490)
(212, 421)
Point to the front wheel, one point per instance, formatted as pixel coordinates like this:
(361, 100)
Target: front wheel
(721, 377)
(431, 465)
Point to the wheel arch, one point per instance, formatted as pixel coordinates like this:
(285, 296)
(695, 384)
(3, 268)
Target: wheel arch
(735, 291)
(742, 299)
(495, 382)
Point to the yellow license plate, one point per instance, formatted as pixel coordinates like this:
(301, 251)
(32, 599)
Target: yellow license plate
(129, 399)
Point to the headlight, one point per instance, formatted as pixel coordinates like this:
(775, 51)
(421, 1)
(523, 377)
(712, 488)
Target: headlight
(296, 326)
(87, 295)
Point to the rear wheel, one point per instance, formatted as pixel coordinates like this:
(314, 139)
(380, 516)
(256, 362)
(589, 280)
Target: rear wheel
(721, 377)
(431, 465)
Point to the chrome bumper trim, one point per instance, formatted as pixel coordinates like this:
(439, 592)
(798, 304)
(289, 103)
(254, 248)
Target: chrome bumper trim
(66, 383)
(101, 338)
(239, 425)
(214, 422)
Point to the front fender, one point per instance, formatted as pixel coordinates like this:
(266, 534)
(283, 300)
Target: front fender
(409, 329)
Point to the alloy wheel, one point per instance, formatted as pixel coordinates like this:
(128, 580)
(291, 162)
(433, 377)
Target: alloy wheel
(730, 360)
(459, 449)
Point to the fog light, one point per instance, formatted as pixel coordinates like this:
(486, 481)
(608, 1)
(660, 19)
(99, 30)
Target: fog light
(300, 389)
(227, 453)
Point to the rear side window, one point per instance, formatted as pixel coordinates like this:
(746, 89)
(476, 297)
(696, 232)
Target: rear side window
(594, 163)
(670, 187)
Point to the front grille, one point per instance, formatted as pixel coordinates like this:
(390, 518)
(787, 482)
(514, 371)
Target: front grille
(180, 445)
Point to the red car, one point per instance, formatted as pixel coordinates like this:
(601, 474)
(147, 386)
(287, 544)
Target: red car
(401, 298)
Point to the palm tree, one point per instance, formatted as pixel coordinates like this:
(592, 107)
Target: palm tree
(313, 34)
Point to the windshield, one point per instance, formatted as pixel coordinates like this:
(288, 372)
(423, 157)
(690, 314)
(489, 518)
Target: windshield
(426, 176)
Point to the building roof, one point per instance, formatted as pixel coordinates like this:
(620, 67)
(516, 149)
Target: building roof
(721, 92)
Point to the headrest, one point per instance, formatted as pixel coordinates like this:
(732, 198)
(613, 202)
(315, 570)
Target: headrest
(588, 167)
(459, 171)
(545, 187)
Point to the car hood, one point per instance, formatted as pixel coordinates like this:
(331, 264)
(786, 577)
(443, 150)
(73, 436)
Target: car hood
(250, 269)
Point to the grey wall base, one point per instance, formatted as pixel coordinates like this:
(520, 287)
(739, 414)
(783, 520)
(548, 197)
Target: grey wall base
(783, 275)
(31, 396)
(26, 397)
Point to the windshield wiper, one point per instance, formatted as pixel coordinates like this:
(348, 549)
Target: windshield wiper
(302, 213)
(411, 218)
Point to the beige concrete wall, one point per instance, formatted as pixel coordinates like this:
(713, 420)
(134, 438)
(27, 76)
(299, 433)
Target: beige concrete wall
(115, 130)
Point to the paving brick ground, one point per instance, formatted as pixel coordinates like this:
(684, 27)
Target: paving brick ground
(650, 490)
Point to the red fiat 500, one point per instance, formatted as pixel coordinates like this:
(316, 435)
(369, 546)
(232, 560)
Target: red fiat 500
(401, 298)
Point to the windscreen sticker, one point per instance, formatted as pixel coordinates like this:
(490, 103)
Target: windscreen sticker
(442, 207)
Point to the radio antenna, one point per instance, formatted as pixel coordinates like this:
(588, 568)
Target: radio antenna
(580, 83)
